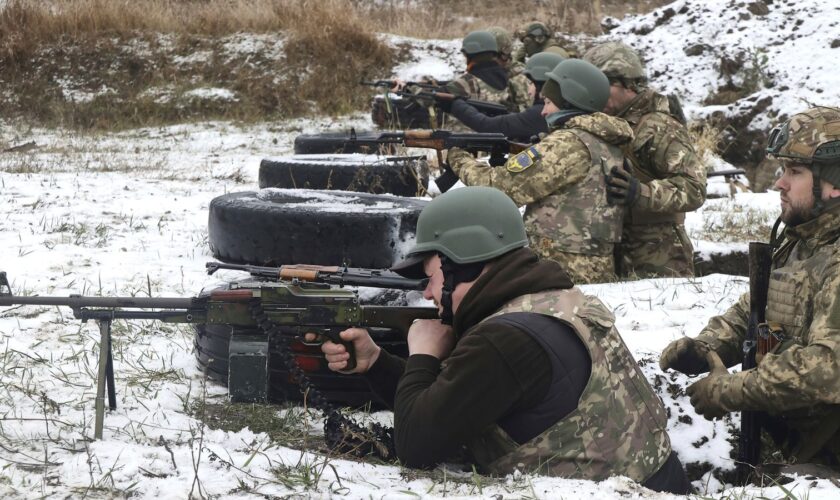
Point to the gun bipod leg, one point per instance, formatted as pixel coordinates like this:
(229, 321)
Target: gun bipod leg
(102, 378)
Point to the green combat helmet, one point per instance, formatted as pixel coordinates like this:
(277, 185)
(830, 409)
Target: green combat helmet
(504, 41)
(578, 83)
(540, 64)
(477, 42)
(470, 224)
(466, 227)
(618, 61)
(811, 138)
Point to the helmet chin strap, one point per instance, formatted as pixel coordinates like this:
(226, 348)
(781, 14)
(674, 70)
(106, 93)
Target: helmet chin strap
(454, 274)
(448, 268)
(817, 190)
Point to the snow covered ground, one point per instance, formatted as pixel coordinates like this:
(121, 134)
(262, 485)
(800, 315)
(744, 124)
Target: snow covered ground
(125, 214)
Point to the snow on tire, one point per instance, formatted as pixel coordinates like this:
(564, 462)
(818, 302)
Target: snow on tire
(295, 226)
(397, 175)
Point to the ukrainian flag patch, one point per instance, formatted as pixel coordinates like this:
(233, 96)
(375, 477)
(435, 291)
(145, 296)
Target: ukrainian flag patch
(523, 160)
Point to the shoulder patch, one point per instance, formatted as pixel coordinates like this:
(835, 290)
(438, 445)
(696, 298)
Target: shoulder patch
(523, 160)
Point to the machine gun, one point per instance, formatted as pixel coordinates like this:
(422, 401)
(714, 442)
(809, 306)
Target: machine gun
(281, 308)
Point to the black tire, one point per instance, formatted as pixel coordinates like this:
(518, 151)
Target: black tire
(279, 226)
(391, 114)
(212, 343)
(397, 175)
(341, 143)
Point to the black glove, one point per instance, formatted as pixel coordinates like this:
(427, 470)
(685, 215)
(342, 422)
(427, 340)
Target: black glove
(685, 355)
(622, 187)
(445, 104)
(447, 179)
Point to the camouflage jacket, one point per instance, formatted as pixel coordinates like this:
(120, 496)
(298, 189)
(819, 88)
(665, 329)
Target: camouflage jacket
(618, 427)
(561, 182)
(473, 87)
(663, 159)
(798, 381)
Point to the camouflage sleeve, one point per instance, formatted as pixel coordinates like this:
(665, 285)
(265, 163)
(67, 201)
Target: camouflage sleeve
(801, 375)
(518, 86)
(725, 333)
(519, 54)
(557, 161)
(458, 87)
(663, 145)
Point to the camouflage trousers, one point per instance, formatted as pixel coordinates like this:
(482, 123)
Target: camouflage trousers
(582, 268)
(655, 251)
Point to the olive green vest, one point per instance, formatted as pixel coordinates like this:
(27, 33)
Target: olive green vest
(619, 426)
(578, 218)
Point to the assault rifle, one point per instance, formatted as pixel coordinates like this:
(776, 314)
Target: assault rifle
(278, 309)
(389, 84)
(333, 275)
(727, 173)
(749, 443)
(437, 94)
(497, 145)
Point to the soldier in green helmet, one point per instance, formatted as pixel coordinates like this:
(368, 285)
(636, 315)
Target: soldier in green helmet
(561, 180)
(797, 379)
(486, 78)
(664, 178)
(536, 37)
(523, 370)
(517, 82)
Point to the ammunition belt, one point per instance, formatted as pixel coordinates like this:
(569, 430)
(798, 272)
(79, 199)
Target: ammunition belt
(341, 434)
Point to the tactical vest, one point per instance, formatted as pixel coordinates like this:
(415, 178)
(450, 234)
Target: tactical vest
(810, 434)
(578, 218)
(636, 215)
(619, 426)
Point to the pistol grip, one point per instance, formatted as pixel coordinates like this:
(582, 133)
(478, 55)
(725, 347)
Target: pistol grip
(334, 336)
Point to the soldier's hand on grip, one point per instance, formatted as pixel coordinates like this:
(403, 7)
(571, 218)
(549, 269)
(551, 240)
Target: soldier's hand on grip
(622, 187)
(706, 395)
(337, 355)
(685, 355)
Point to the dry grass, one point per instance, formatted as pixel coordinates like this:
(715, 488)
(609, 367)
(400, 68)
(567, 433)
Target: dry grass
(106, 64)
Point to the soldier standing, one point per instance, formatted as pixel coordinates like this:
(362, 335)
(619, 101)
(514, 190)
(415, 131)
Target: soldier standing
(522, 369)
(797, 381)
(665, 179)
(561, 180)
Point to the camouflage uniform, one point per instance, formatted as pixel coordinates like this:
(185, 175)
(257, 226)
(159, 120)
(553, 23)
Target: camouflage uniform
(654, 241)
(472, 87)
(561, 181)
(618, 401)
(798, 383)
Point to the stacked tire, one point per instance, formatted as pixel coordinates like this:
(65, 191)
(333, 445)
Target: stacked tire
(397, 175)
